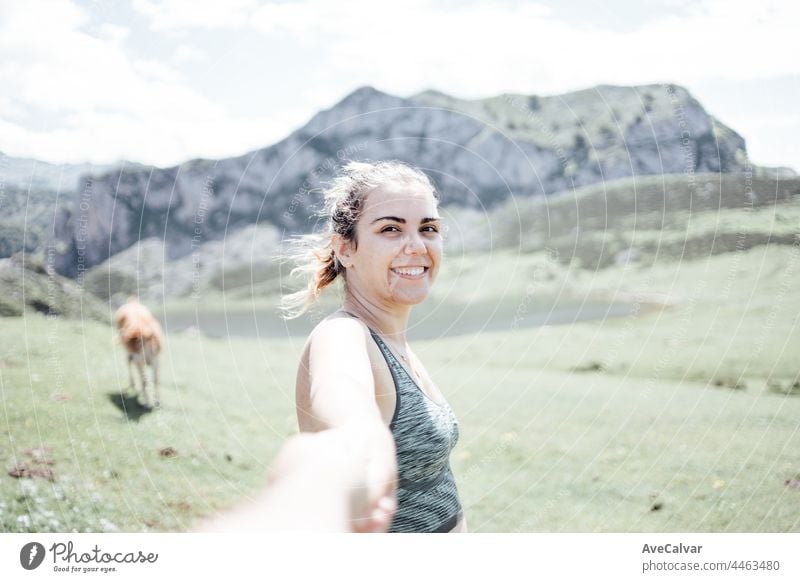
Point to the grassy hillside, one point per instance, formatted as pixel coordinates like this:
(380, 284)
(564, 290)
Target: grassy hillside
(114, 467)
(644, 220)
(679, 419)
(26, 284)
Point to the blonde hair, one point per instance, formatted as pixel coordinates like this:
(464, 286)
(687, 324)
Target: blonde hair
(313, 254)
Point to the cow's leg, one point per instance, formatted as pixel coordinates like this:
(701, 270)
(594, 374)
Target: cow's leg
(154, 365)
(131, 385)
(143, 376)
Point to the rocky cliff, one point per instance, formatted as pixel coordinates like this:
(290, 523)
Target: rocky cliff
(479, 152)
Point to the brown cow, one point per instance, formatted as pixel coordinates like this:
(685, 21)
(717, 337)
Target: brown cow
(141, 335)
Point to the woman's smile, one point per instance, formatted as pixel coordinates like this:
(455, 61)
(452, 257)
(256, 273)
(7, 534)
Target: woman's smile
(410, 272)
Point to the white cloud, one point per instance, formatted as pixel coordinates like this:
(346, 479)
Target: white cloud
(300, 18)
(97, 99)
(113, 32)
(176, 14)
(188, 54)
(93, 101)
(105, 137)
(483, 49)
(480, 48)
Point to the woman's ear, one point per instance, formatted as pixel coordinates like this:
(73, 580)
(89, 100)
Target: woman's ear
(341, 249)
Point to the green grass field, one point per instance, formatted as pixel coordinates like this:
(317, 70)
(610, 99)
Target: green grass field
(675, 419)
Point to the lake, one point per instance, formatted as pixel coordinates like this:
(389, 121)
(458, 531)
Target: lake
(428, 321)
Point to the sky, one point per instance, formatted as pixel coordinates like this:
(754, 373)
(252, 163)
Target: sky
(164, 82)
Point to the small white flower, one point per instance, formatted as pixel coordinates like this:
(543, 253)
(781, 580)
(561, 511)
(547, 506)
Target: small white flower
(28, 486)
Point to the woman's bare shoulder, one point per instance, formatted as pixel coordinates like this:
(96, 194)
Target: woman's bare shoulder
(339, 334)
(338, 324)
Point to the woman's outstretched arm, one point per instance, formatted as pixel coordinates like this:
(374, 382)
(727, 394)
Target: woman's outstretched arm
(323, 481)
(340, 473)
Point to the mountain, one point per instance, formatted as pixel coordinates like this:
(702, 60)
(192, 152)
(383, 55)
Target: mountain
(243, 259)
(29, 173)
(28, 284)
(480, 153)
(32, 194)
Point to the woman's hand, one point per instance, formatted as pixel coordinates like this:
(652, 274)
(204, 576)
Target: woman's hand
(373, 492)
(357, 461)
(340, 479)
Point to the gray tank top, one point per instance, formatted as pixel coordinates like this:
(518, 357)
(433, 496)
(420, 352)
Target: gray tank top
(424, 433)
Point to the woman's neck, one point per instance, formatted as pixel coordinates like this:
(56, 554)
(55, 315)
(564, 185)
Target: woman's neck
(391, 324)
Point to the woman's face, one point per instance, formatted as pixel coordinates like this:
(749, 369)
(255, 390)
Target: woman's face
(399, 245)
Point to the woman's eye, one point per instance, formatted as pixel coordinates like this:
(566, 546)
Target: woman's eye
(424, 229)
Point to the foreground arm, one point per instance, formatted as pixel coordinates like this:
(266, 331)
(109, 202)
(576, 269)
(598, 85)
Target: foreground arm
(316, 483)
(340, 473)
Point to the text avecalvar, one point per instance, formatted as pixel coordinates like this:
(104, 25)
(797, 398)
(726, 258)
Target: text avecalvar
(671, 549)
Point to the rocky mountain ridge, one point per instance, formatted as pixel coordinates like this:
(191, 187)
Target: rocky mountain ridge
(479, 152)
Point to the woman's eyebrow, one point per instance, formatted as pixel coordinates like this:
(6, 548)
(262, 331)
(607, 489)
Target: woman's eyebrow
(394, 218)
(403, 220)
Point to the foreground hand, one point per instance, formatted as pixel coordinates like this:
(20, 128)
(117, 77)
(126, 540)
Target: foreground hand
(341, 479)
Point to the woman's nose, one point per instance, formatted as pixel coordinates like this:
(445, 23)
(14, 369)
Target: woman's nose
(415, 245)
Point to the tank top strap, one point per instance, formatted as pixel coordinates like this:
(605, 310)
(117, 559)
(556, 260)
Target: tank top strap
(381, 344)
(384, 348)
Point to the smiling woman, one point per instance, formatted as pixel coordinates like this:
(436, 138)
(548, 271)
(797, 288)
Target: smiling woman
(357, 372)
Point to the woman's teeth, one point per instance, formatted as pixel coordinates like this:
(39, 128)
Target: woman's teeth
(412, 272)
